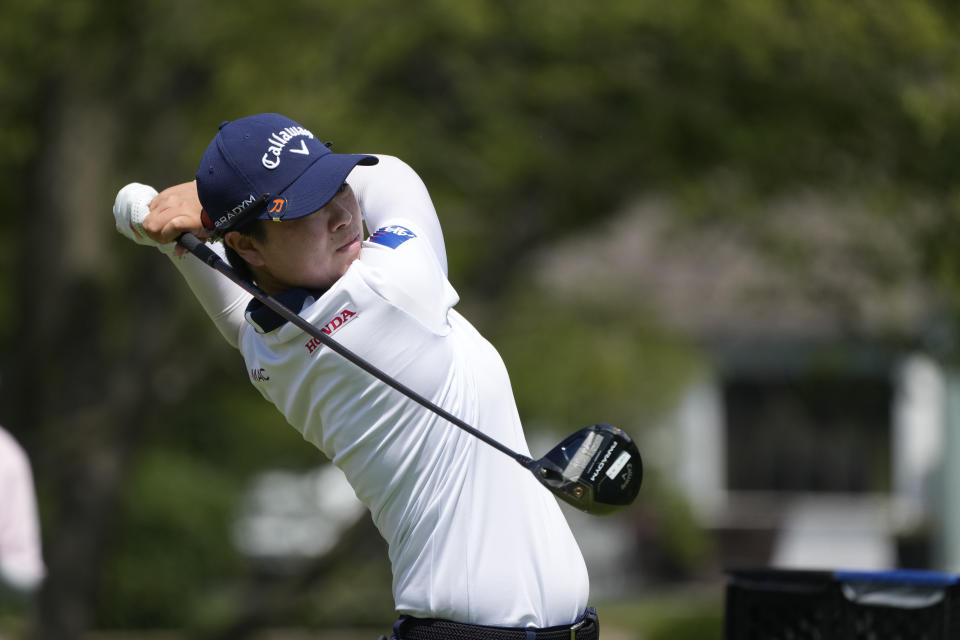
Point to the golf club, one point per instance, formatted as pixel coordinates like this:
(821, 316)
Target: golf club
(598, 469)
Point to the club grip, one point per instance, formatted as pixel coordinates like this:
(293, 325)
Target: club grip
(198, 248)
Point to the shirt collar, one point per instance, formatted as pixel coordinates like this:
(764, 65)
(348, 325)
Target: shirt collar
(265, 319)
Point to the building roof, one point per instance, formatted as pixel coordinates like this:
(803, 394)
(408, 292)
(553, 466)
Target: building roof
(804, 269)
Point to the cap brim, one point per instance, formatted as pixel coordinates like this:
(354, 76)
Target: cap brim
(318, 184)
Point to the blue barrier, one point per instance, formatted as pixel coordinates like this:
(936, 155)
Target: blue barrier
(900, 576)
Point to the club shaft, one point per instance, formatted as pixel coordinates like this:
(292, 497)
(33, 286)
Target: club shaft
(195, 246)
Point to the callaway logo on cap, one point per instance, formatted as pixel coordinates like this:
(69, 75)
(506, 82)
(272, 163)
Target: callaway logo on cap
(269, 167)
(271, 159)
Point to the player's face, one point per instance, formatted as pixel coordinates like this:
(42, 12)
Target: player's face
(314, 251)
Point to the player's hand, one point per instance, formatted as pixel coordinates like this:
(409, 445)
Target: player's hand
(175, 211)
(153, 219)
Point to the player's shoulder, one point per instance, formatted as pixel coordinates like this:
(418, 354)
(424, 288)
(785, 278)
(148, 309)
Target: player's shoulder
(398, 262)
(395, 234)
(401, 245)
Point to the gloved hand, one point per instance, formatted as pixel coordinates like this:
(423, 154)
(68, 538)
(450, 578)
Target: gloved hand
(129, 210)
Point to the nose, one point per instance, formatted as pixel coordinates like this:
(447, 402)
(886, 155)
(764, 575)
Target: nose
(340, 216)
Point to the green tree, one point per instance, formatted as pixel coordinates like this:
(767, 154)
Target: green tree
(530, 122)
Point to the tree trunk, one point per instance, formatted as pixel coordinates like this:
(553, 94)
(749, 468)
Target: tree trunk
(75, 409)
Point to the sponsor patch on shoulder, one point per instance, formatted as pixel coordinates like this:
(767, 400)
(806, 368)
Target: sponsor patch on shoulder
(392, 236)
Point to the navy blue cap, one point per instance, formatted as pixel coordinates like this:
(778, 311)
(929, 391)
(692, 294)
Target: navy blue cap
(269, 167)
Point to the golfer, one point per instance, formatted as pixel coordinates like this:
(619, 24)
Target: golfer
(478, 549)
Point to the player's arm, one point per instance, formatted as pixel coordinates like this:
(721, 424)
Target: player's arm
(392, 192)
(157, 220)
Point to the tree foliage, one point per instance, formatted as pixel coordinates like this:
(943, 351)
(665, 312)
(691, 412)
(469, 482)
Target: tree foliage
(529, 121)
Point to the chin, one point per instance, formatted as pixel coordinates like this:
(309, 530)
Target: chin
(328, 281)
(352, 256)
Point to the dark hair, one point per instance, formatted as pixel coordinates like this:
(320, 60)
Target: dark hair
(253, 229)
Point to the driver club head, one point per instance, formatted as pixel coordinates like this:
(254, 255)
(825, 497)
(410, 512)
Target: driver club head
(597, 469)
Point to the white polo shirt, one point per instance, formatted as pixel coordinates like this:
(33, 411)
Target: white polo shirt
(21, 560)
(472, 535)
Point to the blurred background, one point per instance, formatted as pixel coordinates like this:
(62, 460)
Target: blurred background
(729, 227)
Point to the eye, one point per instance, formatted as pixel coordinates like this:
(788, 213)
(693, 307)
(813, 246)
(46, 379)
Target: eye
(342, 188)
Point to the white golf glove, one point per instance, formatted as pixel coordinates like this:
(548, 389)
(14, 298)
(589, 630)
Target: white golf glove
(129, 210)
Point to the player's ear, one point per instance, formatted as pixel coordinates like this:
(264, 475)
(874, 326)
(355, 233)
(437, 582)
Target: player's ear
(245, 246)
